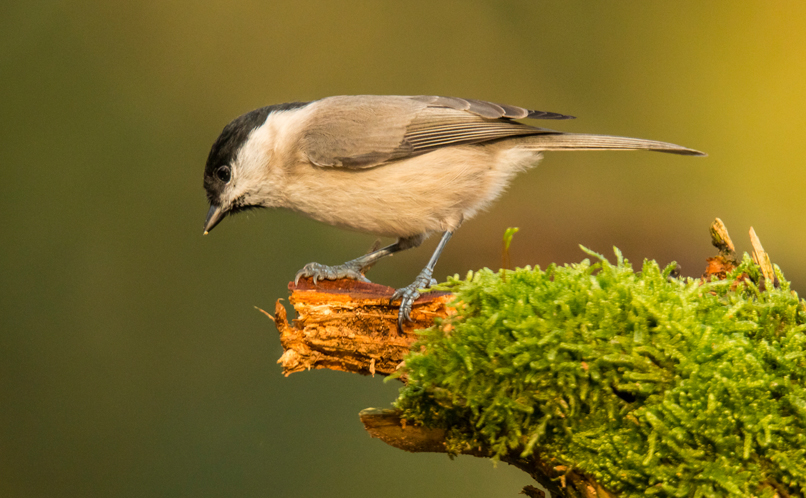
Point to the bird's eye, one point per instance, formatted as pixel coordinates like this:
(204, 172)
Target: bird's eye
(224, 174)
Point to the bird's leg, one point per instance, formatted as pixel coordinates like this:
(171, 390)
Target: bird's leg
(355, 268)
(410, 293)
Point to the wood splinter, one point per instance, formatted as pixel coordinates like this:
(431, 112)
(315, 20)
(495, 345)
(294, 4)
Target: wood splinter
(724, 262)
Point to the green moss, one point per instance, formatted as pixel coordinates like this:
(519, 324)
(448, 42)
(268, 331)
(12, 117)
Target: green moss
(653, 385)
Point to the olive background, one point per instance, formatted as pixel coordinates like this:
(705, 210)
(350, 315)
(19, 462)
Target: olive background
(132, 360)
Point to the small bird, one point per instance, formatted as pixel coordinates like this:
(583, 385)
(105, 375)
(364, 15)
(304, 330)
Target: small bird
(396, 166)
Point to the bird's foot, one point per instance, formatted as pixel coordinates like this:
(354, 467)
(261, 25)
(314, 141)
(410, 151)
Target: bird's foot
(409, 294)
(319, 271)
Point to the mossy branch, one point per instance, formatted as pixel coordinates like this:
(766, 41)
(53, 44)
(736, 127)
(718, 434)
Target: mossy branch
(594, 379)
(351, 326)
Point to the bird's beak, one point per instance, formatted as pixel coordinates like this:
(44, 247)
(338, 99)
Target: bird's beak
(214, 216)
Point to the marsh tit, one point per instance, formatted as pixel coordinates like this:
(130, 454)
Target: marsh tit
(396, 166)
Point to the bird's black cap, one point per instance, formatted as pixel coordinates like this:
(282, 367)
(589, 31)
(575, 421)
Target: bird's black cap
(230, 141)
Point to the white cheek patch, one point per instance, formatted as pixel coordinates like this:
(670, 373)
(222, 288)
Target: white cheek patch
(260, 166)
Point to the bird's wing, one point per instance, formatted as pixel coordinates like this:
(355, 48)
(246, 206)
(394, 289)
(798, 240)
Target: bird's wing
(366, 130)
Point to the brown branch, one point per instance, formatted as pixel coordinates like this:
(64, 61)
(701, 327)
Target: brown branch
(350, 326)
(387, 426)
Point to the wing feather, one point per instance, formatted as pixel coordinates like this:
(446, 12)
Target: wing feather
(366, 130)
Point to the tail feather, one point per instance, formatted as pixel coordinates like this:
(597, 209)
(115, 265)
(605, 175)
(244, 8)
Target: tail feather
(574, 141)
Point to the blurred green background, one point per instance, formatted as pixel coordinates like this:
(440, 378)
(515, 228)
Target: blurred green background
(132, 361)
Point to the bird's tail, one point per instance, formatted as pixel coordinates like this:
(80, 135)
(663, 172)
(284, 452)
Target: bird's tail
(574, 141)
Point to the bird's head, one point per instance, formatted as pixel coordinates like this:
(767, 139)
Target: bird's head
(230, 189)
(235, 176)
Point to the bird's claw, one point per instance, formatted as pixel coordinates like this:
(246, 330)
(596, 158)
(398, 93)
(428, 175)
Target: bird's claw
(409, 294)
(319, 271)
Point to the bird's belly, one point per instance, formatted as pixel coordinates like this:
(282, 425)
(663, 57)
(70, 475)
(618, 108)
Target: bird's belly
(429, 193)
(349, 200)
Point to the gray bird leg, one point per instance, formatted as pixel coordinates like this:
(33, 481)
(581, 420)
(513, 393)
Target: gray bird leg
(410, 293)
(355, 268)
